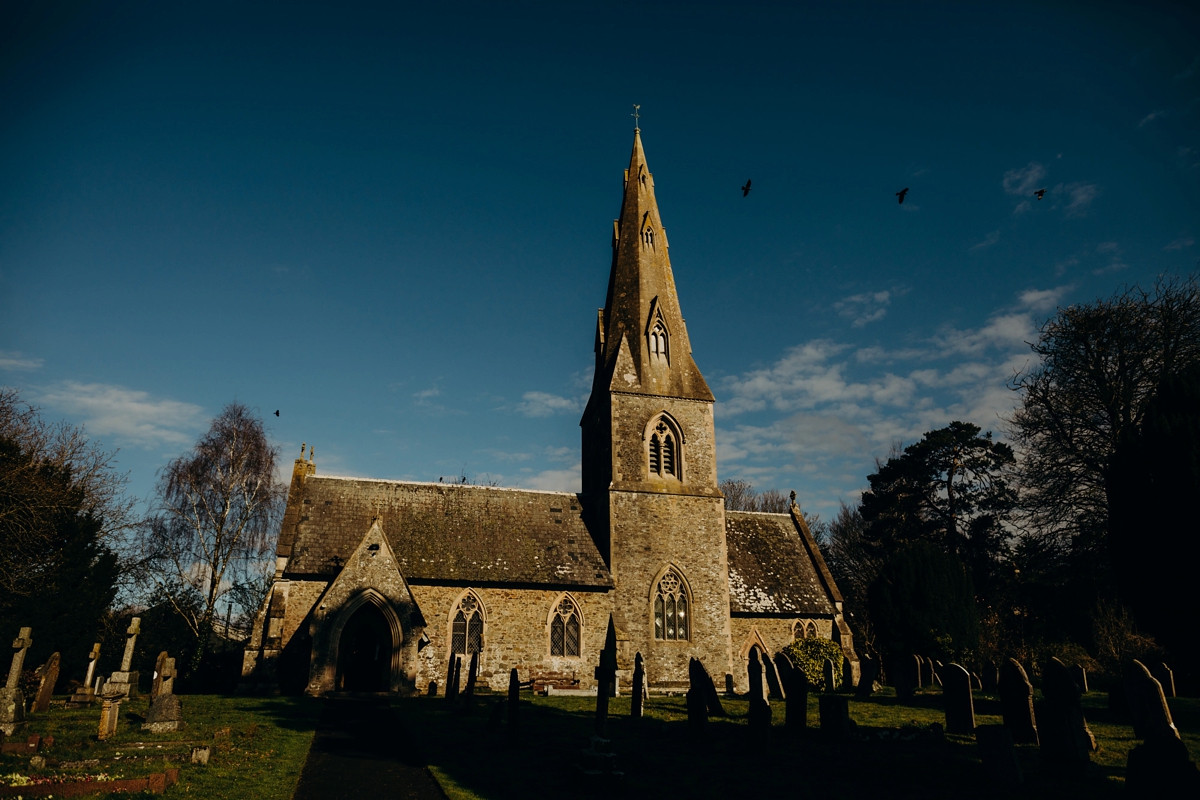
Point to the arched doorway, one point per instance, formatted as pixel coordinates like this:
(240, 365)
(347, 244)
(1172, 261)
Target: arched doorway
(365, 652)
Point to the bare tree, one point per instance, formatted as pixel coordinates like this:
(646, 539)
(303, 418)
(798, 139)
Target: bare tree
(739, 495)
(213, 529)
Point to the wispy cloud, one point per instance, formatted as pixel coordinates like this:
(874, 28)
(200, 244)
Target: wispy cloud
(1079, 197)
(988, 241)
(865, 308)
(1189, 70)
(128, 416)
(1158, 113)
(543, 404)
(1180, 243)
(12, 360)
(1024, 180)
(557, 480)
(1042, 299)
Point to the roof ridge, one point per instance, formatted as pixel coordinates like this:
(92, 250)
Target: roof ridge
(439, 483)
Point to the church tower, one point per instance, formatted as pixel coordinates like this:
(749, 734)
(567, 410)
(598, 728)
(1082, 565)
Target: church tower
(649, 456)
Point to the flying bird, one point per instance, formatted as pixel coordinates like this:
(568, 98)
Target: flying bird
(746, 188)
(901, 193)
(277, 412)
(1039, 193)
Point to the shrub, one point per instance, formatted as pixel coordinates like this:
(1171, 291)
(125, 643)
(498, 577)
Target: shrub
(808, 656)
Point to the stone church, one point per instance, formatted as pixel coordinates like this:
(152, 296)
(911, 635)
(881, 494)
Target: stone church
(379, 582)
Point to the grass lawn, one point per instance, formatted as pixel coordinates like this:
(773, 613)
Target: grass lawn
(894, 754)
(259, 757)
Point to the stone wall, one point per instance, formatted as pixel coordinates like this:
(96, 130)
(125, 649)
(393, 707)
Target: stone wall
(302, 596)
(773, 633)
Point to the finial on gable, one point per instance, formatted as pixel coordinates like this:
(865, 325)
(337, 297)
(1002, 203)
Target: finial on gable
(636, 117)
(793, 497)
(302, 468)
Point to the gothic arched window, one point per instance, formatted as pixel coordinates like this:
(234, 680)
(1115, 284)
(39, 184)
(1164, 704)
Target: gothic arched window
(664, 450)
(565, 629)
(466, 634)
(810, 632)
(671, 606)
(658, 342)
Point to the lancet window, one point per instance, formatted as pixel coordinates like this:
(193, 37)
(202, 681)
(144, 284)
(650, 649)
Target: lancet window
(671, 606)
(466, 635)
(664, 453)
(565, 629)
(658, 342)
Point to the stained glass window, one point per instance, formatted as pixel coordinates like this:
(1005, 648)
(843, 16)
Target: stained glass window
(671, 609)
(564, 629)
(466, 635)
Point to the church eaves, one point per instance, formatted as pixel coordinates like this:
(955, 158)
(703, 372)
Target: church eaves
(641, 324)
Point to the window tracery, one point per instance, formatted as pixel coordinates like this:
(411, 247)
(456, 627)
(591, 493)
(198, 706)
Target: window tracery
(664, 451)
(671, 605)
(658, 342)
(466, 634)
(565, 629)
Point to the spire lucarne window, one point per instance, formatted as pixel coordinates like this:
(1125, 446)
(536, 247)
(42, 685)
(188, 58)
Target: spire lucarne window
(658, 343)
(466, 635)
(564, 629)
(671, 605)
(664, 454)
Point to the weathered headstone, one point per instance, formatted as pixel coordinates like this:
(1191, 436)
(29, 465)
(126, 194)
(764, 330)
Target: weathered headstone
(431, 691)
(760, 709)
(200, 755)
(1065, 738)
(12, 700)
(697, 702)
(868, 675)
(835, 715)
(926, 679)
(48, 677)
(729, 684)
(1160, 766)
(795, 694)
(124, 682)
(85, 693)
(905, 675)
(110, 715)
(1079, 673)
(848, 674)
(774, 690)
(1016, 703)
(976, 682)
(514, 700)
(158, 668)
(998, 754)
(472, 675)
(711, 699)
(935, 670)
(637, 699)
(606, 674)
(1165, 677)
(166, 712)
(830, 675)
(990, 676)
(959, 704)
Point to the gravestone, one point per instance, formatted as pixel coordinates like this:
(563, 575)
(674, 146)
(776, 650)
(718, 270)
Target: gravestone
(496, 718)
(166, 712)
(514, 700)
(455, 679)
(760, 709)
(110, 715)
(86, 692)
(711, 699)
(697, 703)
(868, 675)
(998, 755)
(935, 670)
(830, 676)
(472, 674)
(774, 690)
(957, 699)
(906, 676)
(926, 679)
(637, 698)
(48, 675)
(124, 682)
(12, 700)
(1160, 765)
(1065, 738)
(990, 676)
(606, 674)
(158, 668)
(835, 715)
(431, 691)
(1016, 703)
(729, 684)
(848, 674)
(1080, 676)
(200, 755)
(1165, 677)
(451, 670)
(795, 694)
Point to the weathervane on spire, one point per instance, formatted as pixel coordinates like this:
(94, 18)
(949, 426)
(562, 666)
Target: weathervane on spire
(636, 116)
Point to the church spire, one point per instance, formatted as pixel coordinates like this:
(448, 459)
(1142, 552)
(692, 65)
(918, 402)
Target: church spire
(642, 344)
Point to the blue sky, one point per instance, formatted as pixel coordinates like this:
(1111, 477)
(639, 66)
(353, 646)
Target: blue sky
(393, 224)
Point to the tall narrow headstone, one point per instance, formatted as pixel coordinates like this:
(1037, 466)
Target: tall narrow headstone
(774, 690)
(926, 671)
(959, 704)
(1016, 703)
(48, 677)
(729, 684)
(166, 712)
(606, 674)
(12, 700)
(472, 674)
(712, 700)
(450, 672)
(868, 675)
(1165, 677)
(697, 701)
(514, 700)
(1160, 766)
(124, 682)
(935, 669)
(760, 709)
(830, 676)
(637, 697)
(86, 692)
(1080, 675)
(110, 715)
(848, 674)
(1066, 740)
(455, 680)
(795, 693)
(156, 684)
(990, 677)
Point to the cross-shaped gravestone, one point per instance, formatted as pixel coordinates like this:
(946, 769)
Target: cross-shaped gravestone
(168, 677)
(22, 644)
(135, 627)
(92, 658)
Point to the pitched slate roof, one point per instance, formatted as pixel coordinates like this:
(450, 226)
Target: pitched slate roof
(773, 570)
(443, 532)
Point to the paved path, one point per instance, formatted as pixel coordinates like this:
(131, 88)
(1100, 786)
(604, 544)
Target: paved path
(361, 751)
